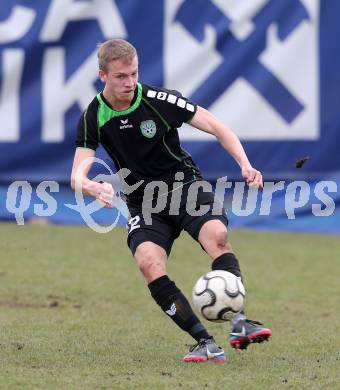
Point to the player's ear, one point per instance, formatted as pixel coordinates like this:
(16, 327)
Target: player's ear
(102, 75)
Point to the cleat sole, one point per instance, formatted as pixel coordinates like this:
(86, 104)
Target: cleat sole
(217, 360)
(256, 337)
(195, 359)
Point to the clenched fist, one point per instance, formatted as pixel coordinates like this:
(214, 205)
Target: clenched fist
(252, 177)
(104, 194)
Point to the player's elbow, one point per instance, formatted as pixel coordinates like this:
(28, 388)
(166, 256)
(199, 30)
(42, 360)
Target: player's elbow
(81, 183)
(74, 181)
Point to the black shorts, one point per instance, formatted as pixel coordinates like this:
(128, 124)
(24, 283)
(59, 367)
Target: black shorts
(165, 228)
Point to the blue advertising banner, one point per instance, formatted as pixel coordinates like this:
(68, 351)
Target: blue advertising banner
(269, 69)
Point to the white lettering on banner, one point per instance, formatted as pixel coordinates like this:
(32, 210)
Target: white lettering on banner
(12, 68)
(59, 96)
(63, 11)
(17, 25)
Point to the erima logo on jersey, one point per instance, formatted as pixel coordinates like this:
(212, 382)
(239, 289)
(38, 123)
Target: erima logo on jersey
(172, 310)
(173, 99)
(125, 124)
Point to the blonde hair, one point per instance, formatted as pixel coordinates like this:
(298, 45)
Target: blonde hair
(115, 49)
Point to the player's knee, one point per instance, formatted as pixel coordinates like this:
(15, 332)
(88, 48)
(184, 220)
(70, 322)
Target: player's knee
(214, 234)
(218, 243)
(226, 248)
(145, 259)
(221, 239)
(149, 262)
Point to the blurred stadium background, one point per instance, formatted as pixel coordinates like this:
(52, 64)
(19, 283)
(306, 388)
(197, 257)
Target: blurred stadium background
(268, 69)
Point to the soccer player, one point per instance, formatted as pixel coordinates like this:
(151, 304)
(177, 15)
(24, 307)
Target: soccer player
(137, 125)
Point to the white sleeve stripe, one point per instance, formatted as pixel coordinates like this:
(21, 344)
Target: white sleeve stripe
(190, 107)
(181, 103)
(151, 93)
(172, 98)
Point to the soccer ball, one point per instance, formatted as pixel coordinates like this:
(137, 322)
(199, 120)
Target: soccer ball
(218, 296)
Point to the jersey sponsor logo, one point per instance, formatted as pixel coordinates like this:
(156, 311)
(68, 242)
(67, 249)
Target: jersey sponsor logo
(148, 128)
(173, 99)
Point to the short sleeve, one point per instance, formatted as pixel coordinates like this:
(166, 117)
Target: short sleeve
(87, 131)
(173, 107)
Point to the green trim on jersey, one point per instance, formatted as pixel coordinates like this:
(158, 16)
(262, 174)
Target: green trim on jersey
(159, 115)
(105, 113)
(170, 152)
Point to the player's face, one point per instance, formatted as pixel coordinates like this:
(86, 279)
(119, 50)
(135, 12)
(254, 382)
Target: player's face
(121, 79)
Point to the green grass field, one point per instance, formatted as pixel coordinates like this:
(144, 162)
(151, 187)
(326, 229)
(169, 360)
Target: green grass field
(75, 314)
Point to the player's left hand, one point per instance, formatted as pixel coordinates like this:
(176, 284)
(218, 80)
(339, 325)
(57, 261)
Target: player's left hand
(252, 176)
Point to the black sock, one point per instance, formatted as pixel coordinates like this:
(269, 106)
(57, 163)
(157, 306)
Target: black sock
(176, 306)
(227, 262)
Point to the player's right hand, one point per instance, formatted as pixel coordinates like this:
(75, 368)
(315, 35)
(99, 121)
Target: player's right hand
(252, 176)
(104, 193)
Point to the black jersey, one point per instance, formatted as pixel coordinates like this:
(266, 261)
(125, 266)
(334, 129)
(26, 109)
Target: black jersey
(142, 138)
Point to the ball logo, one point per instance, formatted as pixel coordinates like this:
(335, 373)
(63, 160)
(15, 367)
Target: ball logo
(148, 128)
